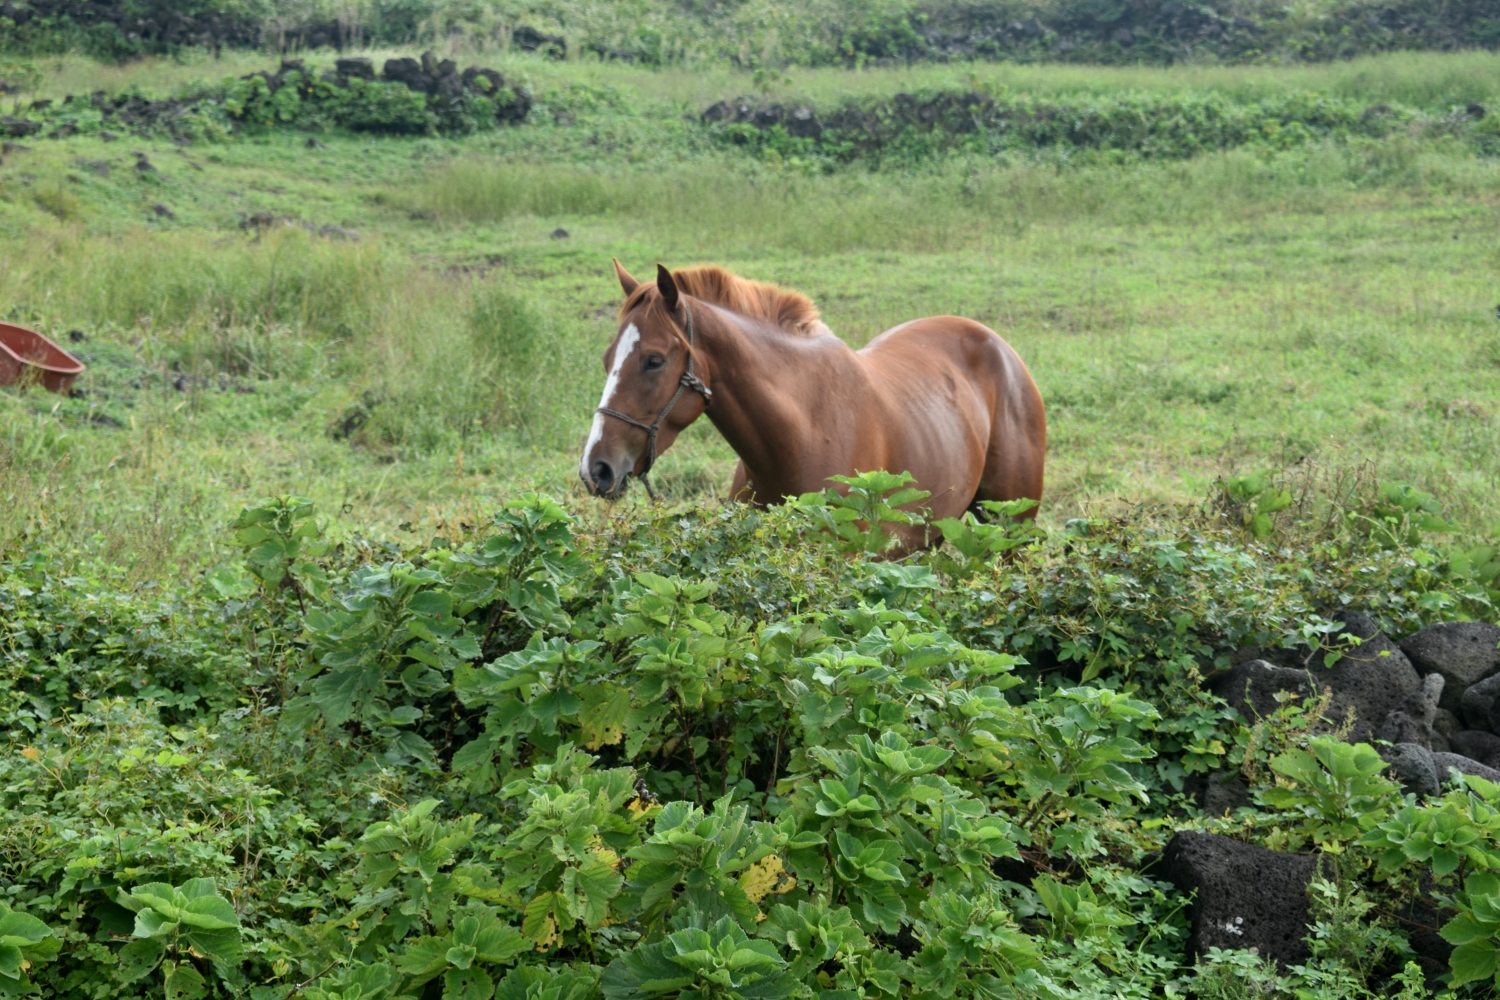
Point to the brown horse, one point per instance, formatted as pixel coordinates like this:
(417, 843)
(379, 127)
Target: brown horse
(943, 398)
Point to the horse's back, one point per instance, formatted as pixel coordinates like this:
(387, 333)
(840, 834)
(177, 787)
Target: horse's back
(943, 369)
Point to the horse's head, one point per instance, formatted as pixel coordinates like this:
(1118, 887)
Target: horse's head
(650, 391)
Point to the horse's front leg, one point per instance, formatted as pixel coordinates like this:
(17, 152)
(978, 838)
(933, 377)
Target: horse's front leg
(740, 489)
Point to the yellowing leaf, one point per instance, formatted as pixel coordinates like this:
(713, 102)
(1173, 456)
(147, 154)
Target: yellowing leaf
(549, 935)
(539, 919)
(766, 876)
(31, 753)
(602, 720)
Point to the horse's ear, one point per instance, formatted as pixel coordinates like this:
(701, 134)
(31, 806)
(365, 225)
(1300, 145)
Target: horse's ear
(626, 281)
(667, 287)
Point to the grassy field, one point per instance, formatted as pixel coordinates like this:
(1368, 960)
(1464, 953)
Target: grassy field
(1325, 307)
(362, 718)
(1419, 79)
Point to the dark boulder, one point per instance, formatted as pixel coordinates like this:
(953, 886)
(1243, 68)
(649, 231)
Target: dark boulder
(357, 67)
(1399, 727)
(529, 39)
(1412, 722)
(1368, 681)
(485, 81)
(1478, 703)
(1247, 897)
(1479, 745)
(719, 112)
(1413, 766)
(1465, 653)
(1446, 723)
(18, 127)
(803, 124)
(1423, 702)
(1251, 687)
(404, 69)
(1372, 678)
(399, 67)
(1463, 765)
(853, 119)
(768, 115)
(514, 111)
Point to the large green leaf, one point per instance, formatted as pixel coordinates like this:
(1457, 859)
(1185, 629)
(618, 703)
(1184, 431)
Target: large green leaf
(141, 957)
(21, 929)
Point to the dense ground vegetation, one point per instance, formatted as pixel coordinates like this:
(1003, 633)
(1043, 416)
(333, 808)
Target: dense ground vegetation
(650, 758)
(319, 678)
(757, 34)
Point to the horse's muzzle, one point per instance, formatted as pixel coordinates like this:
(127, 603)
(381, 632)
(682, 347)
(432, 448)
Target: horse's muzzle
(602, 481)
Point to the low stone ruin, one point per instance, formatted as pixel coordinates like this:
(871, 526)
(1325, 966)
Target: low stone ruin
(1429, 704)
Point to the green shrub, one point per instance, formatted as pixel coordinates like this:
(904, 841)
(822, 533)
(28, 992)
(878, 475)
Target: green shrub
(805, 772)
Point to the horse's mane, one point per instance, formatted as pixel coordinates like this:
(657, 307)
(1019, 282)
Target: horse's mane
(792, 311)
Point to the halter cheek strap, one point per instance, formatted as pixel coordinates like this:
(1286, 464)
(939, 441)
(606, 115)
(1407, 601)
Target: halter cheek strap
(687, 381)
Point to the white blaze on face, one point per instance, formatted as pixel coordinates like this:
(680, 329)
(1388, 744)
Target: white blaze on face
(624, 348)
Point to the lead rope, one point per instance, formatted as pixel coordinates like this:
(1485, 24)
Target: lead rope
(687, 381)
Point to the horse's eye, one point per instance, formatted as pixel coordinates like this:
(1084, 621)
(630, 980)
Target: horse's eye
(655, 362)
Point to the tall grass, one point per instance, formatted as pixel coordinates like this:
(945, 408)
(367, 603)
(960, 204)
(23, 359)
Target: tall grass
(181, 280)
(1220, 314)
(445, 355)
(722, 208)
(1427, 80)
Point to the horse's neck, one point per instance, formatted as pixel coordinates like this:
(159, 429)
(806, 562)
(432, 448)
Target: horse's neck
(766, 384)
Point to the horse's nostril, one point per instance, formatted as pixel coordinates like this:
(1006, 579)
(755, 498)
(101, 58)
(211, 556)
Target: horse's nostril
(604, 475)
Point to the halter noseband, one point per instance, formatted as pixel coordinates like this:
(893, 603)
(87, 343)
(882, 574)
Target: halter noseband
(687, 381)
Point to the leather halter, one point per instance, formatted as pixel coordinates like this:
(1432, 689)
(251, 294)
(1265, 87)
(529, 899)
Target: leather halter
(687, 381)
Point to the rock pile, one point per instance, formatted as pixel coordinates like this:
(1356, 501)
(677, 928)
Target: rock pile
(1433, 697)
(1430, 704)
(442, 82)
(958, 113)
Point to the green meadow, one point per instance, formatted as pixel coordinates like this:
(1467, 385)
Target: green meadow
(1311, 310)
(321, 677)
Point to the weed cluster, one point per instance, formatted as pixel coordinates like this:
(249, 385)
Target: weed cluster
(805, 774)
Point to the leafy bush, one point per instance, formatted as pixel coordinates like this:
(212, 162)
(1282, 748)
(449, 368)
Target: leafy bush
(912, 128)
(813, 32)
(704, 751)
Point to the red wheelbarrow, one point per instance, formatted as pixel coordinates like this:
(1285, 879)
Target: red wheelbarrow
(22, 349)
